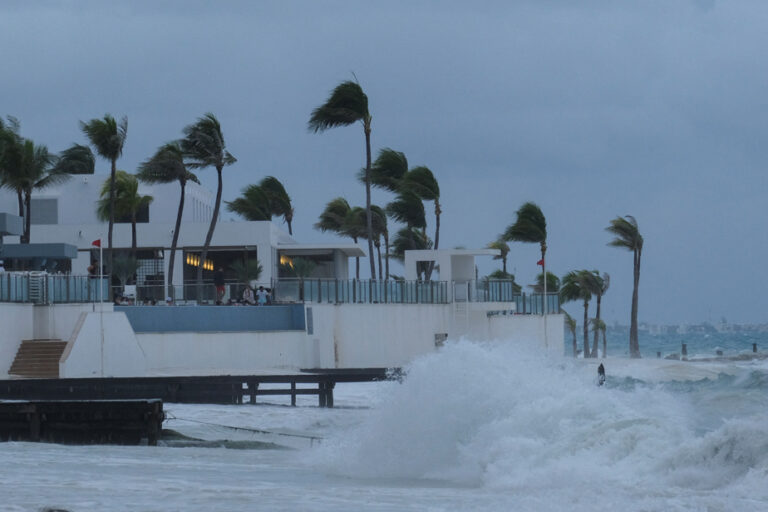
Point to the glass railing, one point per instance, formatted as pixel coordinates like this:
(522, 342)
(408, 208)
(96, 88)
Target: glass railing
(338, 291)
(43, 288)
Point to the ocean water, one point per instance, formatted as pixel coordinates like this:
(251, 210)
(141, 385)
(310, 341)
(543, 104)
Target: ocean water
(475, 426)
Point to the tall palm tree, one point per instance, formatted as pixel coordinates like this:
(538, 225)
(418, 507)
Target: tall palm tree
(531, 227)
(278, 200)
(422, 182)
(598, 326)
(166, 166)
(575, 287)
(628, 237)
(408, 209)
(203, 146)
(388, 170)
(253, 204)
(570, 324)
(335, 218)
(502, 246)
(127, 202)
(411, 239)
(347, 105)
(107, 137)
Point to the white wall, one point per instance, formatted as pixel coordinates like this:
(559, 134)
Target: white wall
(190, 353)
(104, 345)
(16, 324)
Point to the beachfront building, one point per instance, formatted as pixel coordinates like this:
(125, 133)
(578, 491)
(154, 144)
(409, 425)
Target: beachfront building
(66, 214)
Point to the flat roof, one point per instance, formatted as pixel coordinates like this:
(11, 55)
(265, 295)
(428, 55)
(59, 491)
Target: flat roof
(27, 251)
(351, 250)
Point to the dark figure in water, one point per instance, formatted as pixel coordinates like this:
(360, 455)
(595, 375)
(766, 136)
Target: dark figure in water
(600, 375)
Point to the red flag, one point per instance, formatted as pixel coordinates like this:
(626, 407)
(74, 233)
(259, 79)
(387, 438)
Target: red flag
(540, 262)
(96, 243)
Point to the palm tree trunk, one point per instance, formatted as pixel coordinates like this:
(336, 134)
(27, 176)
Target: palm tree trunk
(368, 215)
(597, 330)
(575, 345)
(27, 218)
(174, 241)
(133, 234)
(209, 236)
(605, 345)
(386, 255)
(437, 237)
(378, 253)
(586, 328)
(544, 275)
(634, 345)
(357, 262)
(504, 264)
(111, 214)
(20, 198)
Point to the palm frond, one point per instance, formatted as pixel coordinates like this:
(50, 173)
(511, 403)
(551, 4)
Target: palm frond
(626, 232)
(346, 104)
(408, 209)
(530, 226)
(422, 182)
(77, 159)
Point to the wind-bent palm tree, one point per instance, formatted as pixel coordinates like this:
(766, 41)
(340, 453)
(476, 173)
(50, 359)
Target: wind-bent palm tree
(600, 285)
(203, 146)
(335, 218)
(422, 182)
(107, 136)
(34, 170)
(127, 202)
(77, 159)
(628, 237)
(502, 246)
(253, 204)
(553, 283)
(166, 166)
(388, 170)
(278, 200)
(347, 105)
(570, 324)
(531, 227)
(411, 239)
(575, 287)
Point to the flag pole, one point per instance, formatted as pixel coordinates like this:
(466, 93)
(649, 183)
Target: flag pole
(101, 270)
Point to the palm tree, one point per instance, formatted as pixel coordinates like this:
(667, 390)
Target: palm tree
(388, 170)
(628, 236)
(125, 268)
(127, 202)
(166, 166)
(570, 324)
(77, 159)
(278, 200)
(247, 271)
(107, 136)
(502, 246)
(252, 205)
(35, 171)
(422, 182)
(575, 287)
(531, 227)
(335, 218)
(347, 105)
(553, 283)
(600, 285)
(411, 239)
(203, 146)
(598, 326)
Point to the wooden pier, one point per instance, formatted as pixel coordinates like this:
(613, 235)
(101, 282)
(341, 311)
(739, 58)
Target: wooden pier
(82, 422)
(218, 389)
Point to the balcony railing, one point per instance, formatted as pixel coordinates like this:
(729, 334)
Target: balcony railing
(337, 291)
(43, 288)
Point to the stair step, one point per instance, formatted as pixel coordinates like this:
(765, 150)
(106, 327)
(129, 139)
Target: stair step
(38, 358)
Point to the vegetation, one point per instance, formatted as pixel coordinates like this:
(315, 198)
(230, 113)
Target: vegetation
(576, 287)
(203, 146)
(347, 105)
(627, 236)
(107, 137)
(502, 246)
(600, 285)
(570, 324)
(124, 268)
(127, 202)
(166, 166)
(530, 227)
(262, 201)
(247, 271)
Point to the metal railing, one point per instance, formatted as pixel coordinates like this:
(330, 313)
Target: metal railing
(44, 288)
(490, 290)
(338, 291)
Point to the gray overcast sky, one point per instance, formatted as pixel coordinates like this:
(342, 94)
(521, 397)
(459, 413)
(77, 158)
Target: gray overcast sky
(592, 109)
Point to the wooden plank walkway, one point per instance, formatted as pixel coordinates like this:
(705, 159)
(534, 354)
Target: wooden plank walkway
(82, 422)
(218, 389)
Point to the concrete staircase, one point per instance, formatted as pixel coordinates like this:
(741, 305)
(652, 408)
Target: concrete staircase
(38, 359)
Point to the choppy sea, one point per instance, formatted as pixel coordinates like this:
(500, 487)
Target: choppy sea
(475, 426)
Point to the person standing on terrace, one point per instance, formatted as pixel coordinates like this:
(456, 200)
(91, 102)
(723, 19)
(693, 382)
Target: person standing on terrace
(218, 282)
